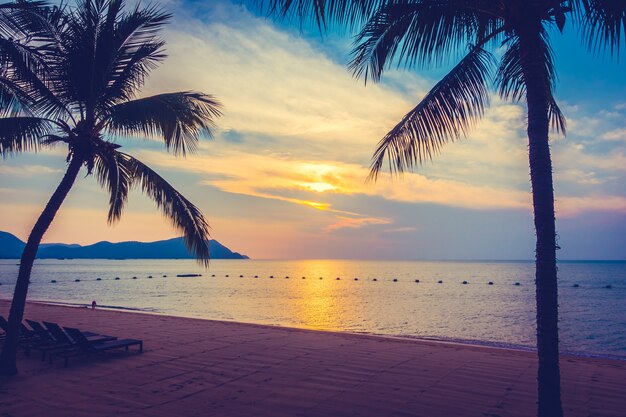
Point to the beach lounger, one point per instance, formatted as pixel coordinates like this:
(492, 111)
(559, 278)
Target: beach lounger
(60, 335)
(87, 347)
(42, 334)
(63, 342)
(52, 338)
(25, 332)
(46, 341)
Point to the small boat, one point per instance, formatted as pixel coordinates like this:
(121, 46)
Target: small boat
(188, 275)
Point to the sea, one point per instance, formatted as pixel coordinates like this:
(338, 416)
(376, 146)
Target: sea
(451, 301)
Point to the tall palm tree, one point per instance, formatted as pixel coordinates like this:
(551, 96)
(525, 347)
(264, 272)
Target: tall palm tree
(427, 33)
(70, 76)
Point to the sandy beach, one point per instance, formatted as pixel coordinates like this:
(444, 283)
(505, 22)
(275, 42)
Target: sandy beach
(193, 367)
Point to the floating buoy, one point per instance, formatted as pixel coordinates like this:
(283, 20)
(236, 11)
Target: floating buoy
(213, 275)
(149, 276)
(287, 277)
(164, 276)
(440, 282)
(337, 278)
(375, 279)
(490, 283)
(240, 276)
(98, 279)
(356, 279)
(465, 282)
(271, 276)
(117, 278)
(417, 280)
(77, 280)
(54, 281)
(517, 284)
(136, 277)
(608, 286)
(256, 276)
(226, 275)
(303, 277)
(575, 285)
(395, 280)
(321, 278)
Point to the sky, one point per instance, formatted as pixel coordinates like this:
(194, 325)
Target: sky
(285, 175)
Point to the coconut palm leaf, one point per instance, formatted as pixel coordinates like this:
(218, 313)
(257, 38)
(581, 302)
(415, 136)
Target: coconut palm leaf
(445, 114)
(113, 174)
(426, 33)
(184, 215)
(322, 12)
(512, 85)
(26, 65)
(16, 16)
(602, 23)
(129, 49)
(178, 118)
(13, 100)
(21, 134)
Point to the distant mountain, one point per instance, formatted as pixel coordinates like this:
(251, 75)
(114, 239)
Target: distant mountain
(11, 247)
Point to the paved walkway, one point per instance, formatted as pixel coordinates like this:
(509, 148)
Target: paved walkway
(207, 368)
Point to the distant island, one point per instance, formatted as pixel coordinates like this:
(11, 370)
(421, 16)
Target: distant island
(11, 247)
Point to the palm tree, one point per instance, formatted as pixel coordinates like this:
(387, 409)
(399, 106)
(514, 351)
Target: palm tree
(427, 33)
(71, 76)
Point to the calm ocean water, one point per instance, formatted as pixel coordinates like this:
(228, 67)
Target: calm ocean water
(593, 317)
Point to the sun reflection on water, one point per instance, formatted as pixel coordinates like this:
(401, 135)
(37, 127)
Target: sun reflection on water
(317, 303)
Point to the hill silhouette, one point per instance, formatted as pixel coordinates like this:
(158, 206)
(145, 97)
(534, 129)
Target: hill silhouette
(11, 247)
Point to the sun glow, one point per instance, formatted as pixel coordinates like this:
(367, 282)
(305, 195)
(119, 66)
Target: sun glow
(316, 205)
(319, 187)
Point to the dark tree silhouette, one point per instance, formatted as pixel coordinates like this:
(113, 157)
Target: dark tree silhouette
(69, 76)
(428, 33)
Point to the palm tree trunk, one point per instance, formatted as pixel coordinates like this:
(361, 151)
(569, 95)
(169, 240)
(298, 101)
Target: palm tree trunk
(537, 88)
(8, 365)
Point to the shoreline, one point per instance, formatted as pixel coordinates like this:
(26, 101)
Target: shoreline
(463, 342)
(199, 367)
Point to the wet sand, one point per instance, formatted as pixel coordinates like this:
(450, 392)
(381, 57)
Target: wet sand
(193, 367)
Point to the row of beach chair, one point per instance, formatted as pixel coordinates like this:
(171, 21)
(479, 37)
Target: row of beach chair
(54, 341)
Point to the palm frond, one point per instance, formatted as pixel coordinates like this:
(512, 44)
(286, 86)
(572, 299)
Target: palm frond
(322, 12)
(425, 33)
(16, 17)
(13, 100)
(184, 215)
(22, 134)
(602, 24)
(25, 61)
(445, 114)
(557, 119)
(114, 174)
(512, 85)
(107, 53)
(178, 118)
(126, 74)
(128, 48)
